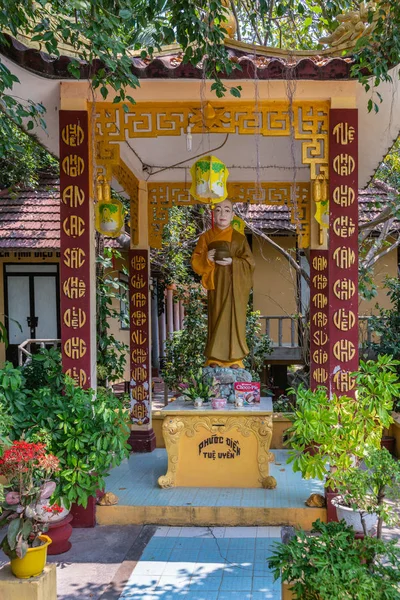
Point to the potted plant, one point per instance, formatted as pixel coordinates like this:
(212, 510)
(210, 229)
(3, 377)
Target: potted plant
(331, 564)
(86, 431)
(28, 469)
(340, 428)
(364, 492)
(195, 389)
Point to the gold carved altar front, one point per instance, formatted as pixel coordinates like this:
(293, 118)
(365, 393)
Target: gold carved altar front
(218, 448)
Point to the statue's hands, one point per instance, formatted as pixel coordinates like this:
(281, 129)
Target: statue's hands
(211, 254)
(225, 262)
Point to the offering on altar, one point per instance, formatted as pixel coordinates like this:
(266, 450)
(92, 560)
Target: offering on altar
(247, 392)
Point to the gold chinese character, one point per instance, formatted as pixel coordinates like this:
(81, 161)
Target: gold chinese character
(344, 257)
(320, 357)
(343, 381)
(75, 348)
(320, 282)
(137, 282)
(139, 411)
(343, 195)
(139, 374)
(139, 318)
(73, 196)
(320, 338)
(344, 164)
(72, 135)
(139, 393)
(320, 300)
(344, 133)
(344, 319)
(320, 319)
(320, 375)
(74, 226)
(139, 355)
(74, 288)
(344, 226)
(139, 300)
(319, 263)
(138, 263)
(73, 165)
(74, 317)
(344, 289)
(344, 350)
(78, 375)
(139, 338)
(74, 257)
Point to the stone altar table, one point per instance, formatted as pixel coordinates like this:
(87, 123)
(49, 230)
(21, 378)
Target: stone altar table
(218, 448)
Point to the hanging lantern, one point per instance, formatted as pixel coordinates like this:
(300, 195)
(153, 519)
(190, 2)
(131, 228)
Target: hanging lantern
(238, 224)
(321, 199)
(209, 175)
(109, 212)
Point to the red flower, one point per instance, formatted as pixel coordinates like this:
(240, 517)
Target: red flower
(53, 509)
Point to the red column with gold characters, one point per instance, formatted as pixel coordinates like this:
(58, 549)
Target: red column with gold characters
(343, 249)
(75, 228)
(142, 438)
(319, 319)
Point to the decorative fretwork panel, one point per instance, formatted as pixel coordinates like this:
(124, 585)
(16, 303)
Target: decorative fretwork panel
(163, 196)
(129, 182)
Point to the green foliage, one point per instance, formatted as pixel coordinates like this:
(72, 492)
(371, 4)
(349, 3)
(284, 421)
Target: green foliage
(87, 433)
(259, 344)
(195, 386)
(367, 490)
(184, 349)
(110, 291)
(24, 159)
(6, 424)
(387, 324)
(330, 564)
(339, 429)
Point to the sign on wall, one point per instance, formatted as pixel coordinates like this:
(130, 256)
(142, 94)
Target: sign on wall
(140, 376)
(343, 249)
(75, 246)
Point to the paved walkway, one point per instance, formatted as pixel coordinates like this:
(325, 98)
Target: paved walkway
(197, 563)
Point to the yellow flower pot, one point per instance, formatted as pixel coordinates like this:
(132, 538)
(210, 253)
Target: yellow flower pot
(33, 562)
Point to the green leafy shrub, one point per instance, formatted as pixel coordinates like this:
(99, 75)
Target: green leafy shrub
(87, 432)
(339, 429)
(330, 564)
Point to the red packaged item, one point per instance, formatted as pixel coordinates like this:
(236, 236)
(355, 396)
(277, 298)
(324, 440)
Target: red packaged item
(248, 391)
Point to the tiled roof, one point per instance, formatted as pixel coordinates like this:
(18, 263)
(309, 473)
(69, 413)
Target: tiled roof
(170, 65)
(31, 218)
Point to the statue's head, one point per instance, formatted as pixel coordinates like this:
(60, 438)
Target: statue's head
(223, 214)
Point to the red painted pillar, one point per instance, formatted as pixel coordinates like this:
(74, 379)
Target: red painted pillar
(142, 438)
(319, 319)
(76, 243)
(343, 249)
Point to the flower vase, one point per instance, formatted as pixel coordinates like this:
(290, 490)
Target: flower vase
(197, 402)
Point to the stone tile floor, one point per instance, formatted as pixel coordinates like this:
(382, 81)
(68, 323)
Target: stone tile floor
(135, 484)
(199, 563)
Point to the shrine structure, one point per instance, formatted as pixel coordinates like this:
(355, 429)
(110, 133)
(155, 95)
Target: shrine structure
(300, 134)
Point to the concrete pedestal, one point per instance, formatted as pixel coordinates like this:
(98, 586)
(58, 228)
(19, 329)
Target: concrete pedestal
(43, 587)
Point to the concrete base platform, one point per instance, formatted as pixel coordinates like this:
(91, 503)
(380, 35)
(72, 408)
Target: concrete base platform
(43, 587)
(141, 501)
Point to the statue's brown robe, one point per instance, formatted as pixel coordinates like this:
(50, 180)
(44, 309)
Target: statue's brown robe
(228, 294)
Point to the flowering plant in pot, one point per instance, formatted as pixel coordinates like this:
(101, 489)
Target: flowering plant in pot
(364, 492)
(28, 469)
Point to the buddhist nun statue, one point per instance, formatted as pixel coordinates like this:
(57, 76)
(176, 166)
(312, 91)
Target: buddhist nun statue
(224, 260)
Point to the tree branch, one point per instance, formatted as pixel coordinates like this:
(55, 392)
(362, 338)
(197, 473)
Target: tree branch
(233, 7)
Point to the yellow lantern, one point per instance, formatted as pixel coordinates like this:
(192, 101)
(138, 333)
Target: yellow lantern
(209, 175)
(109, 212)
(238, 224)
